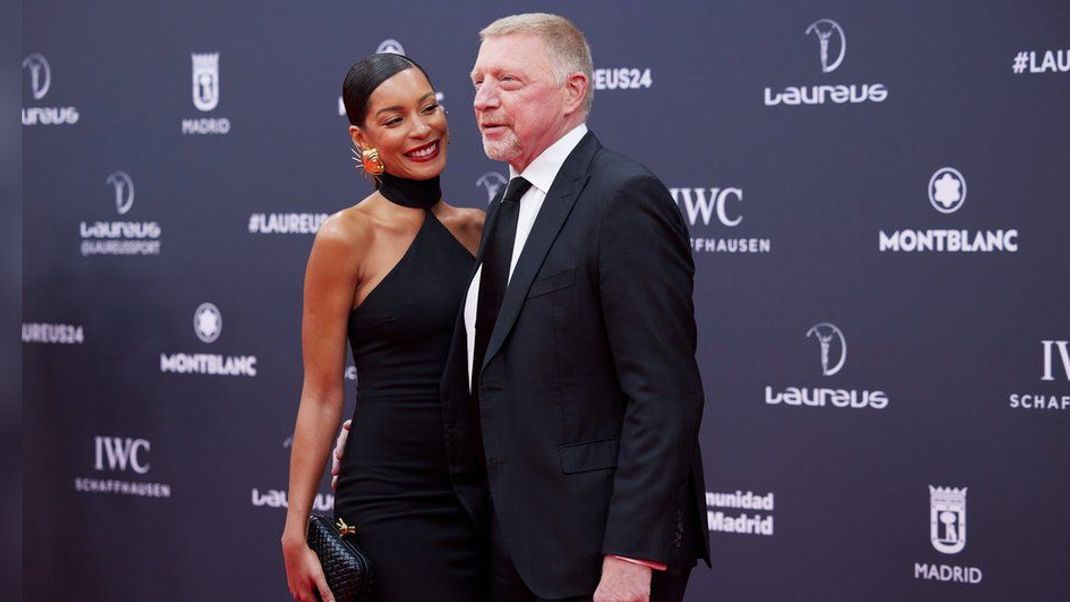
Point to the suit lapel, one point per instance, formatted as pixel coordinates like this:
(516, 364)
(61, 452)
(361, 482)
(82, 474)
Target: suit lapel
(555, 209)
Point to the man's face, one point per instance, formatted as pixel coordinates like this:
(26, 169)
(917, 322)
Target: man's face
(519, 104)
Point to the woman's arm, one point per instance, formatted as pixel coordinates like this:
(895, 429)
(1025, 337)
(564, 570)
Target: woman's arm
(331, 278)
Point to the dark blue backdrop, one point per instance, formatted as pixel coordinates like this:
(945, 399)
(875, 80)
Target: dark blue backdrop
(877, 196)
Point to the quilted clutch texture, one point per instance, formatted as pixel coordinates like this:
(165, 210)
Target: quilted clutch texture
(346, 565)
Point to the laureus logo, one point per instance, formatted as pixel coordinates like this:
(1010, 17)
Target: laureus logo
(947, 519)
(205, 80)
(390, 46)
(833, 346)
(492, 182)
(824, 30)
(947, 190)
(120, 237)
(207, 322)
(40, 74)
(40, 81)
(829, 336)
(832, 47)
(124, 190)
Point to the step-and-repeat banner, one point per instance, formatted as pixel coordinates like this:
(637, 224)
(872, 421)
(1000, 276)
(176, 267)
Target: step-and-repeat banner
(877, 198)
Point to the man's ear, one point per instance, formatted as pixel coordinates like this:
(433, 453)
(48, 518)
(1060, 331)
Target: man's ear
(577, 87)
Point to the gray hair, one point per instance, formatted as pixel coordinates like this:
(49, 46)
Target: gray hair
(567, 48)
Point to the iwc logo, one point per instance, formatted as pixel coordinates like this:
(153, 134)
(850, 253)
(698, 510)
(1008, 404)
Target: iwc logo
(709, 208)
(121, 455)
(207, 322)
(1064, 359)
(832, 48)
(205, 72)
(1054, 376)
(492, 182)
(947, 533)
(832, 346)
(39, 75)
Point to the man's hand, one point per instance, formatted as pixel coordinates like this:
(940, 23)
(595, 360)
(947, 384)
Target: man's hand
(623, 581)
(336, 457)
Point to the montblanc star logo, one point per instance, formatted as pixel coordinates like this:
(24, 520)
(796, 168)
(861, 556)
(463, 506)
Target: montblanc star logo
(947, 190)
(207, 322)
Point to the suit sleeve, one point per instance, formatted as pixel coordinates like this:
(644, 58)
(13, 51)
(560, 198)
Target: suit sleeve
(646, 277)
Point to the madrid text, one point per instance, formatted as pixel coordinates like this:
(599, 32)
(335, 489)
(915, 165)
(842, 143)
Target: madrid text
(759, 521)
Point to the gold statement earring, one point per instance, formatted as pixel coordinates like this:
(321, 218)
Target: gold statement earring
(368, 159)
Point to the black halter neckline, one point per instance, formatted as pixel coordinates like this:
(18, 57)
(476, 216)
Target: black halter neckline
(418, 194)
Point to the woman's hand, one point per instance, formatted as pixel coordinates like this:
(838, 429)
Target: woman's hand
(304, 575)
(339, 450)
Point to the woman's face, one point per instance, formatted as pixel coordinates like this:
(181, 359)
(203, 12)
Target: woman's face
(407, 125)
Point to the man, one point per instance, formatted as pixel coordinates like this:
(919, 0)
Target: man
(571, 397)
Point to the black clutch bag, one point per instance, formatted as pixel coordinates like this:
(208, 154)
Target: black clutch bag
(346, 565)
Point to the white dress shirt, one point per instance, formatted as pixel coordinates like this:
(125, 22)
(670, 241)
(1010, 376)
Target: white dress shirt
(541, 173)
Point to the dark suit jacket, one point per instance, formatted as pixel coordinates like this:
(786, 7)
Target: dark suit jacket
(590, 397)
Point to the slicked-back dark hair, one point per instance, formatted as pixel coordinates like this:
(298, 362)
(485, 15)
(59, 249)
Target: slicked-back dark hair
(365, 76)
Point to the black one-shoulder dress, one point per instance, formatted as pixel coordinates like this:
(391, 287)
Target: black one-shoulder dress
(394, 483)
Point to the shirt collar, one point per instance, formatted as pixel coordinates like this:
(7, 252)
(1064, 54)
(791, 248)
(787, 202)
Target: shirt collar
(542, 171)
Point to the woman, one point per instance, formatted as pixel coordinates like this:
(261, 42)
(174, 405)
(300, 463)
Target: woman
(390, 272)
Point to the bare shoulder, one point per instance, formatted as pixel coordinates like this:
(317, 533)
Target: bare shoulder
(465, 223)
(345, 235)
(462, 218)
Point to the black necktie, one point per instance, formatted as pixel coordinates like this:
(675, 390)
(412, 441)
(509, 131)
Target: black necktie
(495, 272)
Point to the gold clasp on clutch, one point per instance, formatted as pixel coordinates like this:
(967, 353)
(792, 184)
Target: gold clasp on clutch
(344, 529)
